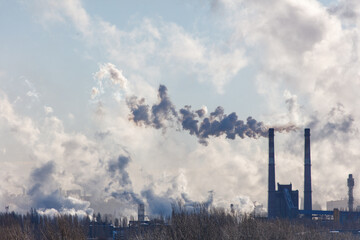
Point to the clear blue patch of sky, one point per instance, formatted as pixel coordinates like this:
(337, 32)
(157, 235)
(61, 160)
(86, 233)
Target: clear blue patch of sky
(53, 58)
(195, 17)
(327, 2)
(121, 13)
(50, 57)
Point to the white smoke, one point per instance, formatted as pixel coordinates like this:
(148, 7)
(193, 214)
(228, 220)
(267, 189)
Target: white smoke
(108, 70)
(48, 110)
(300, 48)
(94, 92)
(100, 167)
(310, 53)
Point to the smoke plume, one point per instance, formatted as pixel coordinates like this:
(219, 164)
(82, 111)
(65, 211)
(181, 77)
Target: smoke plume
(45, 195)
(159, 113)
(216, 124)
(109, 70)
(120, 186)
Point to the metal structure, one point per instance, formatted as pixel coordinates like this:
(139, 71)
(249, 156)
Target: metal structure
(350, 184)
(307, 173)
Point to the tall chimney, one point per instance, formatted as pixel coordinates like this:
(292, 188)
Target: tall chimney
(350, 183)
(271, 182)
(307, 174)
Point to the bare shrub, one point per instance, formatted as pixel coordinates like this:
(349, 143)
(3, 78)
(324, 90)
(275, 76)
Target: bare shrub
(215, 224)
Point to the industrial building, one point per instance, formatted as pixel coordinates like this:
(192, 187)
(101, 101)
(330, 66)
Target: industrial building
(284, 202)
(341, 204)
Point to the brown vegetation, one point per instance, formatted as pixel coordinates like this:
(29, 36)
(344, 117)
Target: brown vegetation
(200, 224)
(217, 224)
(33, 226)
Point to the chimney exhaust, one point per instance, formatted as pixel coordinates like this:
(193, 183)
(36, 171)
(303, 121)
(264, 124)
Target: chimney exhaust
(307, 174)
(271, 180)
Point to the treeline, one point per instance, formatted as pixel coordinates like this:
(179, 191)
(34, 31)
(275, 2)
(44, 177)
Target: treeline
(217, 224)
(33, 226)
(201, 224)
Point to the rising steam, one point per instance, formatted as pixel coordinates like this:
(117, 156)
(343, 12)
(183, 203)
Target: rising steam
(196, 122)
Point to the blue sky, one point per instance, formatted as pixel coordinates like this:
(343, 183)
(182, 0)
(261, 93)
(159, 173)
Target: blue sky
(61, 49)
(285, 63)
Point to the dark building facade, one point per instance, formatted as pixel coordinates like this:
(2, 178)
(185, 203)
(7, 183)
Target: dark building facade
(286, 201)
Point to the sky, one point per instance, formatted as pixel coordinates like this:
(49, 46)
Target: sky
(93, 97)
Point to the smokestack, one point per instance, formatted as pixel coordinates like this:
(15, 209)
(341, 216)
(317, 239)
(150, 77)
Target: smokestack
(141, 212)
(307, 174)
(350, 183)
(271, 182)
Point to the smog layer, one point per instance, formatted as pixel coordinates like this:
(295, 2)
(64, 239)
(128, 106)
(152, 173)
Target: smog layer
(105, 106)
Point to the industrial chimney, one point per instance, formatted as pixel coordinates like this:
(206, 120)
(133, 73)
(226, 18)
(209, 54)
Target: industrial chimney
(271, 182)
(141, 212)
(350, 183)
(307, 174)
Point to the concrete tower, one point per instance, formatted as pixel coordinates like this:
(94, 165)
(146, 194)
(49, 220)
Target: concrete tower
(307, 174)
(271, 180)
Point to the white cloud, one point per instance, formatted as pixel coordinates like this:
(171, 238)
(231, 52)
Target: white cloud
(22, 127)
(348, 11)
(32, 92)
(72, 160)
(61, 11)
(94, 92)
(307, 69)
(151, 46)
(48, 110)
(108, 70)
(2, 73)
(311, 55)
(71, 116)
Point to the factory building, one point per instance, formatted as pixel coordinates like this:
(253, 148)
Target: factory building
(341, 204)
(283, 202)
(286, 201)
(345, 204)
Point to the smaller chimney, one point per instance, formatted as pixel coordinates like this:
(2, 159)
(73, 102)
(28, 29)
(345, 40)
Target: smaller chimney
(141, 212)
(232, 209)
(350, 183)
